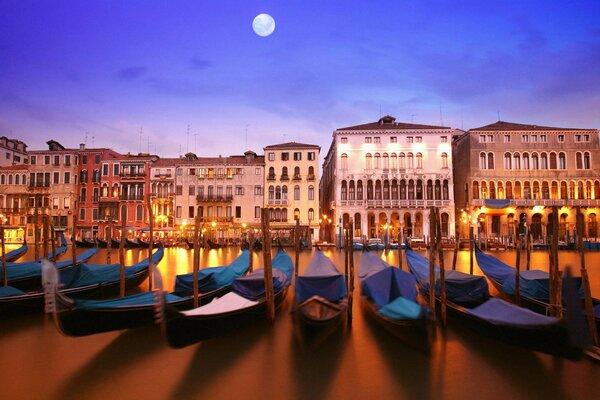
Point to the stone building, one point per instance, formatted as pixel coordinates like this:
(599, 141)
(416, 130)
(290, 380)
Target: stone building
(14, 201)
(12, 151)
(385, 175)
(509, 175)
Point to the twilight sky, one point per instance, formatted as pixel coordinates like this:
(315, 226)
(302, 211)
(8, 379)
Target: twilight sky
(113, 68)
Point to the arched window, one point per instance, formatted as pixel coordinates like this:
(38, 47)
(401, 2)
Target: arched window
(509, 191)
(588, 190)
(377, 189)
(438, 190)
(580, 194)
(482, 161)
(271, 193)
(527, 190)
(525, 161)
(554, 191)
(429, 192)
(284, 216)
(444, 224)
(500, 191)
(402, 189)
(17, 179)
(578, 161)
(444, 160)
(377, 161)
(104, 190)
(394, 160)
(419, 160)
(344, 161)
(492, 190)
(535, 164)
(562, 161)
(386, 161)
(516, 161)
(411, 189)
(296, 214)
(277, 192)
(271, 173)
(394, 190)
(284, 173)
(545, 190)
(369, 190)
(410, 162)
(536, 190)
(484, 191)
(507, 161)
(563, 191)
(139, 213)
(359, 190)
(445, 190)
(369, 161)
(10, 179)
(597, 189)
(586, 161)
(386, 190)
(284, 193)
(311, 192)
(297, 192)
(311, 172)
(352, 191)
(544, 161)
(475, 190)
(124, 212)
(490, 161)
(296, 172)
(419, 189)
(553, 160)
(402, 161)
(517, 192)
(24, 179)
(311, 214)
(572, 190)
(344, 191)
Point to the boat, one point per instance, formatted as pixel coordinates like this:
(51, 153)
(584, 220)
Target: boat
(245, 303)
(146, 244)
(539, 245)
(14, 301)
(375, 244)
(321, 301)
(132, 243)
(80, 317)
(115, 244)
(534, 285)
(85, 243)
(418, 243)
(60, 250)
(15, 254)
(102, 243)
(357, 244)
(468, 302)
(389, 296)
(214, 245)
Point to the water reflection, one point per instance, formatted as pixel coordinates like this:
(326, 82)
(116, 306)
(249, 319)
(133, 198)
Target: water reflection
(266, 360)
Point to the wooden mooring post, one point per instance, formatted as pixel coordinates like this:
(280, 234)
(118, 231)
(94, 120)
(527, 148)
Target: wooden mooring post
(267, 264)
(589, 307)
(196, 255)
(122, 257)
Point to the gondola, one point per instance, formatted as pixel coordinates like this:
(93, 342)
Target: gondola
(103, 244)
(75, 317)
(375, 244)
(132, 243)
(389, 296)
(534, 285)
(321, 301)
(245, 303)
(115, 244)
(146, 244)
(85, 243)
(15, 254)
(14, 301)
(468, 302)
(357, 244)
(214, 245)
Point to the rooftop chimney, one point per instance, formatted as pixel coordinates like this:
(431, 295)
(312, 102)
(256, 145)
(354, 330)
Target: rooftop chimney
(81, 146)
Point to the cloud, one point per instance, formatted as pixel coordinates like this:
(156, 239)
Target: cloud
(131, 73)
(199, 64)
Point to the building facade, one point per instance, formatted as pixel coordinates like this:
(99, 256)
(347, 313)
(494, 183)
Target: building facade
(12, 151)
(292, 190)
(385, 175)
(14, 201)
(509, 176)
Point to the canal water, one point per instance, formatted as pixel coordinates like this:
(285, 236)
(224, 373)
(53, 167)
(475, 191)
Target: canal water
(268, 361)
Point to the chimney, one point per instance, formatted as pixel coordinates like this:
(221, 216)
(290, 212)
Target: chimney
(81, 146)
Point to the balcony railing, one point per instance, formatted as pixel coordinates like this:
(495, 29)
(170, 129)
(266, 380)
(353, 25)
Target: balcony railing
(132, 175)
(217, 220)
(271, 177)
(162, 176)
(13, 210)
(284, 178)
(545, 202)
(131, 197)
(39, 186)
(311, 177)
(297, 177)
(213, 199)
(277, 202)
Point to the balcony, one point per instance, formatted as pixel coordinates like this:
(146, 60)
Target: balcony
(271, 177)
(284, 178)
(163, 176)
(13, 210)
(131, 197)
(545, 202)
(310, 177)
(44, 186)
(297, 178)
(217, 220)
(132, 175)
(213, 199)
(277, 202)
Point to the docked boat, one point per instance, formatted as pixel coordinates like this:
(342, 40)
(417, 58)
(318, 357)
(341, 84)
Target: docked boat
(468, 302)
(102, 243)
(15, 254)
(132, 243)
(245, 303)
(357, 244)
(321, 301)
(375, 244)
(389, 296)
(534, 285)
(79, 317)
(14, 301)
(85, 243)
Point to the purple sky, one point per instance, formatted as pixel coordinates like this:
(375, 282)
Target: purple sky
(109, 68)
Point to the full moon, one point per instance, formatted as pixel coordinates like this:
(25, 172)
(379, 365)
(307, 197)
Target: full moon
(263, 25)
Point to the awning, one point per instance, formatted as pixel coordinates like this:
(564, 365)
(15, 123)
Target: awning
(497, 203)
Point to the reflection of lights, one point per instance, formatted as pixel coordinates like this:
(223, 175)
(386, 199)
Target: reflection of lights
(537, 209)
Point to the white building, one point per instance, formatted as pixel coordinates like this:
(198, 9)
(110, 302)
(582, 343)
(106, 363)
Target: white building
(292, 173)
(386, 174)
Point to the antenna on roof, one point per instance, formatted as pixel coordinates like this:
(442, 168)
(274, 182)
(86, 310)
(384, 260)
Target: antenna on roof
(141, 131)
(498, 112)
(86, 136)
(93, 137)
(187, 148)
(379, 111)
(195, 149)
(180, 149)
(412, 118)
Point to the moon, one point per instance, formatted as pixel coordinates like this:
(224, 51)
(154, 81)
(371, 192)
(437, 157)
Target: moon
(263, 25)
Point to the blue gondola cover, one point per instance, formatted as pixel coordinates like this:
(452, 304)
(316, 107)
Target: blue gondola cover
(500, 312)
(321, 278)
(252, 286)
(139, 299)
